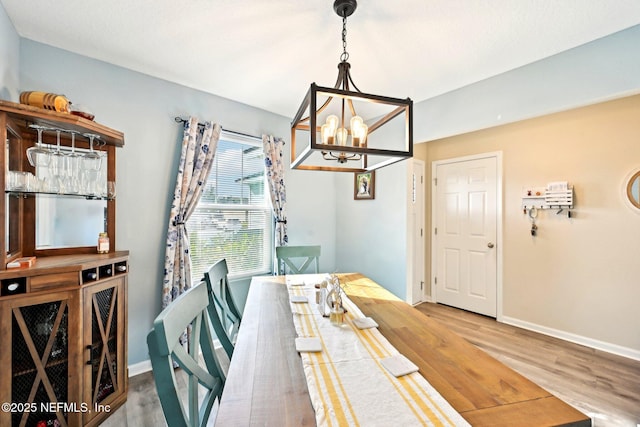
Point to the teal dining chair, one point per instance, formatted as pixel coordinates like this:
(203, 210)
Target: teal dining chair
(297, 259)
(224, 312)
(189, 312)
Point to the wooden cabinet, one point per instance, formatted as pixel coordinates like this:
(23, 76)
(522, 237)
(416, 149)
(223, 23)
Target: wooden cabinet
(63, 320)
(65, 335)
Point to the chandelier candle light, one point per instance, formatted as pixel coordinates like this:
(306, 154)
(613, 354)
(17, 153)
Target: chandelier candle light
(345, 130)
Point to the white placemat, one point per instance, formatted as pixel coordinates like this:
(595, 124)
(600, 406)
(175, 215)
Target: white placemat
(298, 299)
(310, 344)
(365, 323)
(399, 365)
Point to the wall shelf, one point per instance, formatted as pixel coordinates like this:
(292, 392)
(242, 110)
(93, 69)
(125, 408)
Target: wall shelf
(556, 195)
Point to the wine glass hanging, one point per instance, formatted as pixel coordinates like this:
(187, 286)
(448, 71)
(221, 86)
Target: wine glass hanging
(67, 170)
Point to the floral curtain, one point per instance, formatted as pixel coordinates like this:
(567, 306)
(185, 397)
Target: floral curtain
(198, 148)
(274, 163)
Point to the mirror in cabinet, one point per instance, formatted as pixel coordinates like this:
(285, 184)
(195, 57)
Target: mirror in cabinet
(71, 191)
(64, 222)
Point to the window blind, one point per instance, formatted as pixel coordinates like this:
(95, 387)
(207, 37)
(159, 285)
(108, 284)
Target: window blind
(233, 219)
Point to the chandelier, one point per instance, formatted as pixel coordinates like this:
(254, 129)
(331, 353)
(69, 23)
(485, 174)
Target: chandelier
(345, 130)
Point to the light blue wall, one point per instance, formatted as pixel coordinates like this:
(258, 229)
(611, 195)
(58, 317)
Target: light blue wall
(604, 69)
(312, 195)
(143, 108)
(9, 58)
(372, 234)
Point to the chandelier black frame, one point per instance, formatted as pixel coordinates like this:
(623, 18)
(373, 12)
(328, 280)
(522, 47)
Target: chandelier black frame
(354, 157)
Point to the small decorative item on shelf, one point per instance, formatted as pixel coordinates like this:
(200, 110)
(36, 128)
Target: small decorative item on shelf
(103, 243)
(23, 262)
(81, 111)
(48, 101)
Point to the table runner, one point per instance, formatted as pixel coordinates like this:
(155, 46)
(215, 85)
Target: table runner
(347, 383)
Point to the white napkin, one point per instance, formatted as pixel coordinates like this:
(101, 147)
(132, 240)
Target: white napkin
(399, 365)
(298, 299)
(365, 323)
(308, 344)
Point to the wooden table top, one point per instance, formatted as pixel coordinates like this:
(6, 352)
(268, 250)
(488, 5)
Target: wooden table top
(266, 384)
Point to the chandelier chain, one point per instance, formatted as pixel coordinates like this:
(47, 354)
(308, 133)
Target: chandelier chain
(345, 55)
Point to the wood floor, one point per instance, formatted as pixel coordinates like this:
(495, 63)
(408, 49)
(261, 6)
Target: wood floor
(603, 386)
(143, 408)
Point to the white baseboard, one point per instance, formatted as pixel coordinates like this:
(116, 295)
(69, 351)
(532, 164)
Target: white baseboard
(139, 368)
(426, 298)
(574, 338)
(145, 365)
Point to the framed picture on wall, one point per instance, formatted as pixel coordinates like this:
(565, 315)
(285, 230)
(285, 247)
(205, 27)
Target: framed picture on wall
(364, 185)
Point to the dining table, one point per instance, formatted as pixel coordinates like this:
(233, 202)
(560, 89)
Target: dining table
(266, 383)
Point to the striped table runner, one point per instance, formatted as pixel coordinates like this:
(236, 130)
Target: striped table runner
(347, 384)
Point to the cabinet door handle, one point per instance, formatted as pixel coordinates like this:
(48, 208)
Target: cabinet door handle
(89, 362)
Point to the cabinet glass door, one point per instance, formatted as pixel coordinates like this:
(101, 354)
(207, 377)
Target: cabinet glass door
(105, 347)
(13, 178)
(40, 362)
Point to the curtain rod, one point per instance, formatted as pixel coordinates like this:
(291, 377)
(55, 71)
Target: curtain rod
(184, 121)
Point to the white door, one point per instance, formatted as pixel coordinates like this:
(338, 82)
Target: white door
(465, 233)
(416, 211)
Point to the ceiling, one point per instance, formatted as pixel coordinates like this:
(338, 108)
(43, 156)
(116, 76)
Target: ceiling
(266, 53)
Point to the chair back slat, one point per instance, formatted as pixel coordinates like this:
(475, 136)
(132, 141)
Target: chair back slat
(223, 305)
(190, 313)
(220, 272)
(297, 259)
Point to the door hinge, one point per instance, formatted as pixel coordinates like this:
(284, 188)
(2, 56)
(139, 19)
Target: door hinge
(435, 280)
(435, 231)
(421, 286)
(421, 232)
(421, 179)
(435, 181)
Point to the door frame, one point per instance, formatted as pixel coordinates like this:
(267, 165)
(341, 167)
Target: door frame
(499, 207)
(411, 279)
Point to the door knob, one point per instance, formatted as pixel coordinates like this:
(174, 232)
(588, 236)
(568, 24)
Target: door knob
(490, 245)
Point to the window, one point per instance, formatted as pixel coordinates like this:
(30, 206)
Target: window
(233, 219)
